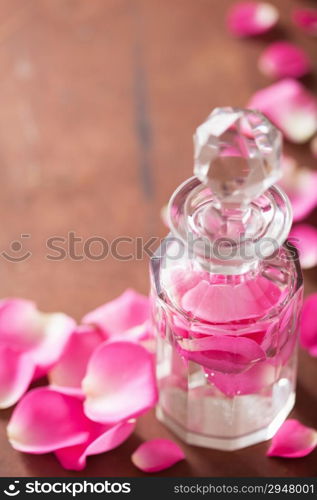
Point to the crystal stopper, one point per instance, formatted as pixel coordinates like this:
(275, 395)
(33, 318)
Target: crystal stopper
(237, 153)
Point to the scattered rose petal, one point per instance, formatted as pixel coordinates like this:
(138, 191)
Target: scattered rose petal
(102, 438)
(21, 325)
(300, 185)
(57, 329)
(222, 353)
(116, 317)
(284, 59)
(308, 335)
(120, 382)
(293, 440)
(157, 455)
(251, 18)
(306, 19)
(71, 368)
(290, 106)
(143, 334)
(45, 420)
(304, 238)
(25, 329)
(137, 333)
(37, 338)
(16, 374)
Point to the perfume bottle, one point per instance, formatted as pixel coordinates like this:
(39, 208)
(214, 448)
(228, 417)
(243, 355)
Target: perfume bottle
(227, 290)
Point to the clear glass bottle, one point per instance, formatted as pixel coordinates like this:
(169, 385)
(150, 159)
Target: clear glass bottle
(227, 290)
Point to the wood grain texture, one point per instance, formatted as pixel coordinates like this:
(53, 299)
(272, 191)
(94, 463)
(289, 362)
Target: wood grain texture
(99, 100)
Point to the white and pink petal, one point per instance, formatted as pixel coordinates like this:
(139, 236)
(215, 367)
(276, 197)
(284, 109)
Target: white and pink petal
(115, 371)
(128, 310)
(45, 420)
(156, 455)
(21, 325)
(43, 336)
(284, 59)
(300, 185)
(70, 370)
(244, 300)
(258, 377)
(290, 106)
(304, 238)
(251, 18)
(293, 440)
(102, 439)
(57, 329)
(306, 19)
(223, 353)
(16, 374)
(142, 334)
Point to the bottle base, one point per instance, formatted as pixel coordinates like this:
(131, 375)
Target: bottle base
(228, 444)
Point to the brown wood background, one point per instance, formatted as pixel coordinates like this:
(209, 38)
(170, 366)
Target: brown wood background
(98, 103)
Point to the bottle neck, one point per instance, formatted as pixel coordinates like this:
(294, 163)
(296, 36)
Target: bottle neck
(233, 240)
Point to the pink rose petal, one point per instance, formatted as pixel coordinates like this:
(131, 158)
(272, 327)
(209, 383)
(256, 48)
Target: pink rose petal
(308, 336)
(21, 325)
(102, 438)
(260, 376)
(293, 440)
(126, 311)
(264, 334)
(290, 106)
(306, 19)
(300, 185)
(57, 328)
(284, 59)
(178, 281)
(37, 338)
(216, 303)
(142, 334)
(251, 18)
(157, 455)
(304, 238)
(120, 382)
(45, 420)
(71, 368)
(222, 353)
(16, 374)
(24, 328)
(137, 333)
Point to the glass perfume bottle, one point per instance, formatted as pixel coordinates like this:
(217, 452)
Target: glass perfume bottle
(227, 290)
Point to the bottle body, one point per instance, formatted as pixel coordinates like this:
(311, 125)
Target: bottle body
(226, 346)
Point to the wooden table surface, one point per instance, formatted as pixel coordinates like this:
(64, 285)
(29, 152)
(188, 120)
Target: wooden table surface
(99, 100)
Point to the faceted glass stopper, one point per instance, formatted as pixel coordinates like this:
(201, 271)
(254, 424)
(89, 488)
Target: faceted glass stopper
(237, 153)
